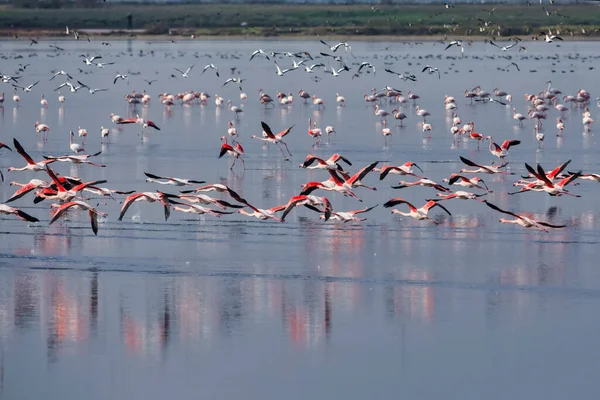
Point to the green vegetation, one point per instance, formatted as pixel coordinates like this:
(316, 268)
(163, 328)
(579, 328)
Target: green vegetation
(282, 20)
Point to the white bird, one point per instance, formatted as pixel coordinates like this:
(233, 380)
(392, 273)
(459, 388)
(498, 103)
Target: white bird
(26, 88)
(456, 43)
(75, 147)
(280, 72)
(104, 132)
(61, 73)
(211, 66)
(119, 76)
(187, 71)
(89, 61)
(102, 65)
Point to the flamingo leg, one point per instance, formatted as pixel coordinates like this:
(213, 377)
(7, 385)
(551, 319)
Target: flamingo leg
(286, 147)
(282, 153)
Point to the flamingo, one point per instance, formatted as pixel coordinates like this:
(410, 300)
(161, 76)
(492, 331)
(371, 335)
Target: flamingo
(75, 147)
(197, 209)
(404, 169)
(386, 131)
(416, 213)
(231, 130)
(234, 109)
(104, 132)
(340, 99)
(43, 102)
(275, 139)
(236, 152)
(523, 220)
(459, 180)
(330, 163)
(318, 102)
(314, 132)
(425, 182)
(42, 128)
(560, 126)
(16, 97)
(171, 181)
(518, 117)
(398, 115)
(501, 151)
(82, 133)
(487, 169)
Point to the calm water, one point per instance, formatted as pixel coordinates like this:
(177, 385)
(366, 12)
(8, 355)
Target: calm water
(240, 308)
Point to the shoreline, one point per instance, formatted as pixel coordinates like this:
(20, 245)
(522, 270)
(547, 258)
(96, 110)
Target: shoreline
(122, 35)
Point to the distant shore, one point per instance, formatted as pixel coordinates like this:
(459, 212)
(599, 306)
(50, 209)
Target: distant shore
(281, 21)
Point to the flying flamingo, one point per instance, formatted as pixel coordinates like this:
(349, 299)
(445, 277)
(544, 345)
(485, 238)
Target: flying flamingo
(331, 163)
(487, 169)
(501, 151)
(404, 169)
(275, 139)
(523, 220)
(416, 213)
(263, 214)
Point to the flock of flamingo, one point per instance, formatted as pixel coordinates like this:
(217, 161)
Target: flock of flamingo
(66, 192)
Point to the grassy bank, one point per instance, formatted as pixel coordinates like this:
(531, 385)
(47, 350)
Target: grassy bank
(283, 20)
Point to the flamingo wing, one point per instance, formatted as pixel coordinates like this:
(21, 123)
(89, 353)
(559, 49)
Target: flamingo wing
(55, 179)
(21, 192)
(507, 144)
(294, 201)
(94, 220)
(398, 200)
(86, 184)
(386, 170)
(22, 152)
(310, 187)
(62, 210)
(285, 132)
(2, 145)
(224, 149)
(436, 204)
(470, 163)
(24, 216)
(542, 176)
(556, 171)
(362, 173)
(128, 202)
(309, 160)
(267, 130)
(569, 179)
(550, 225)
(364, 210)
(151, 176)
(153, 125)
(494, 207)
